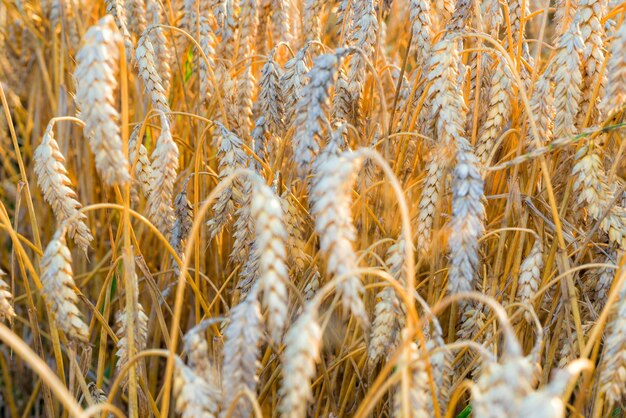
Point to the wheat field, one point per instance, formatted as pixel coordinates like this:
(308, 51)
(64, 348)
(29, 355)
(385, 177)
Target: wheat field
(307, 208)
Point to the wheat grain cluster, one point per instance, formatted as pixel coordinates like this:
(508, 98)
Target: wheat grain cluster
(308, 208)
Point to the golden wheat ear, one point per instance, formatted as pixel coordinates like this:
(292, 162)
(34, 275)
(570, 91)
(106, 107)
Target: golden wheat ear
(58, 291)
(96, 75)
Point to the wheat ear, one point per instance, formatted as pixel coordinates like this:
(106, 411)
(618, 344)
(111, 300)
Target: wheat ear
(615, 93)
(58, 288)
(96, 84)
(302, 351)
(269, 241)
(6, 300)
(194, 396)
(241, 361)
(163, 175)
(57, 189)
(331, 196)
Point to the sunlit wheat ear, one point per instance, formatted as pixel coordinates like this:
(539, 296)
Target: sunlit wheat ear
(58, 288)
(296, 229)
(183, 211)
(136, 15)
(542, 105)
(530, 275)
(160, 42)
(498, 113)
(231, 156)
(431, 192)
(492, 17)
(363, 32)
(227, 27)
(388, 312)
(446, 109)
(605, 279)
(207, 43)
(241, 361)
(6, 300)
(271, 95)
(567, 81)
(468, 213)
(422, 31)
(243, 227)
(331, 205)
(311, 21)
(269, 240)
(595, 195)
(443, 10)
(303, 342)
(281, 27)
(116, 9)
(96, 75)
(141, 337)
(164, 170)
(143, 166)
(563, 16)
(57, 189)
(311, 112)
(420, 402)
(146, 64)
(292, 82)
(589, 15)
(501, 387)
(615, 92)
(194, 396)
(613, 367)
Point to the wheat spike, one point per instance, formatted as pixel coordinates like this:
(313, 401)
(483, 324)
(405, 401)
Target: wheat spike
(57, 189)
(565, 11)
(160, 42)
(293, 81)
(194, 396)
(230, 156)
(270, 238)
(146, 64)
(567, 81)
(207, 43)
(589, 15)
(58, 288)
(501, 388)
(138, 155)
(431, 191)
(163, 174)
(311, 22)
(141, 337)
(467, 222)
(96, 84)
(6, 300)
(136, 15)
(422, 31)
(615, 92)
(311, 111)
(498, 113)
(530, 274)
(542, 105)
(116, 9)
(363, 32)
(239, 370)
(302, 351)
(330, 198)
(613, 376)
(271, 95)
(596, 196)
